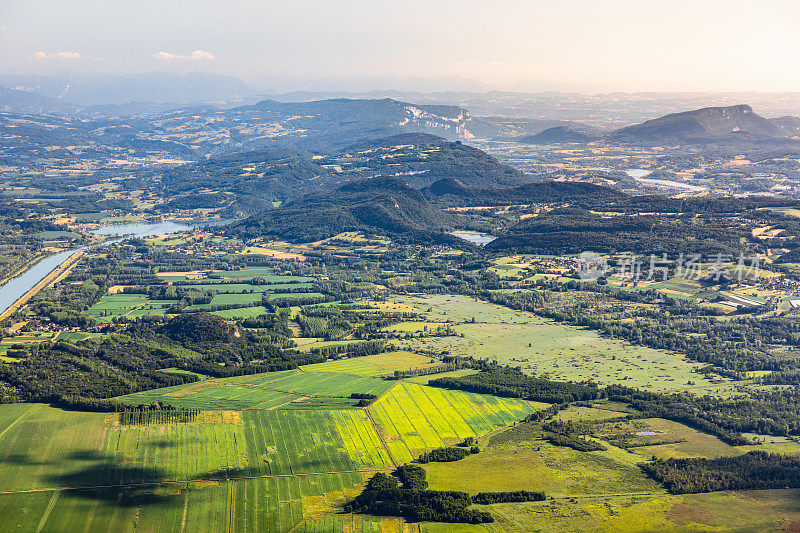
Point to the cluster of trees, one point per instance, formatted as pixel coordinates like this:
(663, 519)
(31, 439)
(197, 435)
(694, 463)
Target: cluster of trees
(147, 415)
(446, 455)
(411, 372)
(570, 434)
(511, 382)
(364, 398)
(122, 363)
(753, 470)
(763, 412)
(488, 498)
(58, 372)
(353, 349)
(405, 493)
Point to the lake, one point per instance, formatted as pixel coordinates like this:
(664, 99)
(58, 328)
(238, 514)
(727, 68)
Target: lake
(143, 230)
(17, 287)
(474, 237)
(639, 175)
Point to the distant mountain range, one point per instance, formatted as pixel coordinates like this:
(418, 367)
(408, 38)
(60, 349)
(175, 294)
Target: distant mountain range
(70, 89)
(709, 125)
(325, 126)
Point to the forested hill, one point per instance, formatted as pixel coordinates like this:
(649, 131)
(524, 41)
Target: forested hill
(559, 134)
(707, 125)
(254, 180)
(384, 205)
(670, 225)
(451, 192)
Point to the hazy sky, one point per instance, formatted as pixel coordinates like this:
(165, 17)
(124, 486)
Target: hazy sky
(724, 45)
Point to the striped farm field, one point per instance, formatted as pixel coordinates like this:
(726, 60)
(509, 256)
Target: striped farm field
(53, 449)
(412, 418)
(272, 505)
(362, 442)
(289, 389)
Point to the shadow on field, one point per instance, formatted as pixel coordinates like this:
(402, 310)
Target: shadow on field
(22, 459)
(104, 473)
(225, 473)
(86, 455)
(162, 444)
(130, 496)
(98, 480)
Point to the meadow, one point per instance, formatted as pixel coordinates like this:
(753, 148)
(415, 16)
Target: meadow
(755, 511)
(555, 351)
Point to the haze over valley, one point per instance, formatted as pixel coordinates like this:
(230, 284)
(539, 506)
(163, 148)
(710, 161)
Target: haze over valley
(286, 267)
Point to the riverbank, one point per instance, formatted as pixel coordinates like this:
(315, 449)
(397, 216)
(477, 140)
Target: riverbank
(59, 272)
(24, 267)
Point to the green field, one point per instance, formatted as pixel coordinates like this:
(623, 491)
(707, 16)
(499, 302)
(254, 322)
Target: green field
(76, 336)
(290, 389)
(266, 504)
(199, 469)
(414, 326)
(236, 299)
(302, 462)
(245, 287)
(558, 471)
(128, 305)
(50, 235)
(265, 273)
(243, 312)
(281, 295)
(50, 448)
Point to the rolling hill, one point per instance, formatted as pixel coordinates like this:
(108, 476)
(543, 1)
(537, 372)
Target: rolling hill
(384, 205)
(707, 125)
(254, 180)
(557, 135)
(453, 193)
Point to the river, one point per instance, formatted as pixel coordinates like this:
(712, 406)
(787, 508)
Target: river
(474, 237)
(639, 175)
(17, 287)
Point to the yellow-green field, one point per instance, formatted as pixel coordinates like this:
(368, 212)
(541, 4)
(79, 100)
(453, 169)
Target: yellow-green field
(373, 365)
(412, 418)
